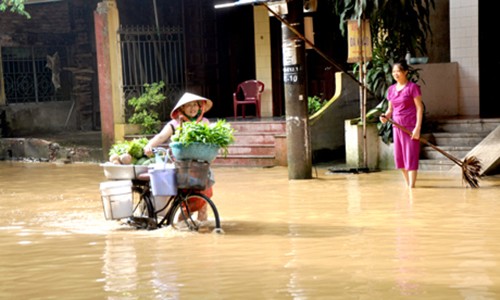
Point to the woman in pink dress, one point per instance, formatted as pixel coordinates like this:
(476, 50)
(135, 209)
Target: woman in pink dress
(406, 109)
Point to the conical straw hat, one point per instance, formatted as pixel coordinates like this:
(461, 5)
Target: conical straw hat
(189, 97)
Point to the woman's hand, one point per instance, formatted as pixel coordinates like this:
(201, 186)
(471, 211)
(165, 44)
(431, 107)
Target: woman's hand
(148, 150)
(415, 134)
(383, 118)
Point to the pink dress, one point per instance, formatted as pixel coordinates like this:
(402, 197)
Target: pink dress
(406, 150)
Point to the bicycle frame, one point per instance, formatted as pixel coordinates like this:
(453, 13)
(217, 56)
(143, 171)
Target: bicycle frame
(175, 205)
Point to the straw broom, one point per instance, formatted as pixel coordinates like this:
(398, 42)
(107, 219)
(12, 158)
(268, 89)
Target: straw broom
(471, 166)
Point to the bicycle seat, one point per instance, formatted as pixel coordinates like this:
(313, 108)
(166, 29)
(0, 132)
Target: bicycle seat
(143, 176)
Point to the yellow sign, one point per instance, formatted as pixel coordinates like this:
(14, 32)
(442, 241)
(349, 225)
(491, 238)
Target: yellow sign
(359, 41)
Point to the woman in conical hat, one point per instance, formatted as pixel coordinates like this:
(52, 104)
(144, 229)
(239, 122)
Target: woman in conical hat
(190, 107)
(179, 109)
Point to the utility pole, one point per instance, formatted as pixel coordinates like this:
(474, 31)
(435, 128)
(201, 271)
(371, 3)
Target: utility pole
(299, 153)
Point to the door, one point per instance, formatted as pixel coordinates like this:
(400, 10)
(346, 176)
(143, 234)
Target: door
(201, 49)
(489, 60)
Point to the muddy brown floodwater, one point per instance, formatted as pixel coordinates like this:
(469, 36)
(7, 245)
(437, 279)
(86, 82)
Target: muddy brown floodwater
(337, 236)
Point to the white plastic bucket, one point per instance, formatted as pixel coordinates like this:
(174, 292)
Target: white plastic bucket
(163, 181)
(117, 199)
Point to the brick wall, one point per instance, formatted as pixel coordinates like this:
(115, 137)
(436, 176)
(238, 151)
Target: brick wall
(46, 20)
(68, 25)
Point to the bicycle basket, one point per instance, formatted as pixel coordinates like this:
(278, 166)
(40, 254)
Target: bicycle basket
(194, 151)
(192, 174)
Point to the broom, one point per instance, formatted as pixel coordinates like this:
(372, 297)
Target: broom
(471, 166)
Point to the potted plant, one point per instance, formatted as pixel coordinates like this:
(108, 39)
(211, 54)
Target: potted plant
(145, 107)
(201, 141)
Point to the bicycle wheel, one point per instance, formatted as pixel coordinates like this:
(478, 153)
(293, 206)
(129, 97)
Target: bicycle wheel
(144, 216)
(190, 217)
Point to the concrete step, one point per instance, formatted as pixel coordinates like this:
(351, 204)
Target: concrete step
(458, 138)
(254, 138)
(465, 125)
(251, 149)
(459, 152)
(245, 161)
(254, 143)
(258, 126)
(435, 164)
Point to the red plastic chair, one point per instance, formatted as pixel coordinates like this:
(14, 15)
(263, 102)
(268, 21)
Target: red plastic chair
(251, 91)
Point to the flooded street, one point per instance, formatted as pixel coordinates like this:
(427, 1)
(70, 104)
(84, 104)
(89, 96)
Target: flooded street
(337, 236)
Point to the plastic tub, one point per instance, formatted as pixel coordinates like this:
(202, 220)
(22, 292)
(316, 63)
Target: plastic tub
(117, 199)
(117, 172)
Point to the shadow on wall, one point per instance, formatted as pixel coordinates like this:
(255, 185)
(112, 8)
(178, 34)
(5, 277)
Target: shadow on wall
(327, 125)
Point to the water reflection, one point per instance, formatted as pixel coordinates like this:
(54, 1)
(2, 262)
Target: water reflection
(338, 236)
(120, 265)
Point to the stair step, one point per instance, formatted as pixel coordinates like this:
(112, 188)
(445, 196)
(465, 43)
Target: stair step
(245, 161)
(458, 138)
(435, 164)
(255, 138)
(260, 127)
(252, 149)
(466, 125)
(457, 151)
(254, 143)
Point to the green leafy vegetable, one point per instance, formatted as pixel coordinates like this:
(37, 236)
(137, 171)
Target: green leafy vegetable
(133, 147)
(219, 133)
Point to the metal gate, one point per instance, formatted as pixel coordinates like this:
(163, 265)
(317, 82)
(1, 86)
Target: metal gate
(149, 55)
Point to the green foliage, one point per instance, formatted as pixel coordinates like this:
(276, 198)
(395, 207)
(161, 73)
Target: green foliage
(14, 6)
(404, 25)
(396, 27)
(133, 147)
(314, 104)
(145, 106)
(219, 133)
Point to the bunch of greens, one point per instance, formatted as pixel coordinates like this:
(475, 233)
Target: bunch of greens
(219, 133)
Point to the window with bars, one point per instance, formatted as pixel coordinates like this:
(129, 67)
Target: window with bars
(28, 78)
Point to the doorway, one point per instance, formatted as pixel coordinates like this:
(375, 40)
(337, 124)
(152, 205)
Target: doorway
(489, 61)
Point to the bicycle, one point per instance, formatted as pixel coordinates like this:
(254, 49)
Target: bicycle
(175, 211)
